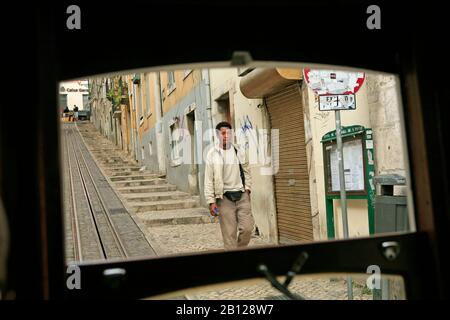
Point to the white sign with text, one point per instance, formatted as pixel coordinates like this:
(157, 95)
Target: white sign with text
(337, 102)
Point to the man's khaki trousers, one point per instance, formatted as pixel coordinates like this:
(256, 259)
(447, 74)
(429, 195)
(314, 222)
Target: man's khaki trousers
(236, 221)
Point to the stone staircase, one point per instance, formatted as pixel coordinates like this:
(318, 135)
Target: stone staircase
(155, 201)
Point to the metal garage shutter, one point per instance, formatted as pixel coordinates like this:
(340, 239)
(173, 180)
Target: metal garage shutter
(292, 180)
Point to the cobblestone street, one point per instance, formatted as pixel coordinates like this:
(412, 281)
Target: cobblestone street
(177, 239)
(192, 238)
(308, 288)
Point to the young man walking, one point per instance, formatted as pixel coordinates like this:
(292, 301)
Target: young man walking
(227, 189)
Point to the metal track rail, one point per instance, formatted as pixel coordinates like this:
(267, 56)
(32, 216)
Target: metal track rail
(101, 227)
(111, 242)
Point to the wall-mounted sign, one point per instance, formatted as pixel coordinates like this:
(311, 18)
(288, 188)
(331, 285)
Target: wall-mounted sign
(337, 102)
(358, 173)
(331, 82)
(354, 143)
(353, 167)
(345, 132)
(62, 89)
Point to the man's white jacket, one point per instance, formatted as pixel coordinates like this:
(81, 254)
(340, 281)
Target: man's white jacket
(214, 173)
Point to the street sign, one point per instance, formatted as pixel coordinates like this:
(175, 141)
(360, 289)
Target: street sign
(337, 102)
(330, 82)
(336, 90)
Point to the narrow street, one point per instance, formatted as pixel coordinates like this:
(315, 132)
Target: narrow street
(174, 222)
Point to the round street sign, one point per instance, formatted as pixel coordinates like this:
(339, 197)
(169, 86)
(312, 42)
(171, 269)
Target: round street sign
(330, 82)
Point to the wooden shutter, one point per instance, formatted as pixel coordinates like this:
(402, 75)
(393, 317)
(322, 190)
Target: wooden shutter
(292, 180)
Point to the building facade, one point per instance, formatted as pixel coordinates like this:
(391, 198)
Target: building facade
(74, 93)
(276, 120)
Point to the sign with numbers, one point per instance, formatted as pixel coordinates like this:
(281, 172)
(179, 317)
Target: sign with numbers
(337, 102)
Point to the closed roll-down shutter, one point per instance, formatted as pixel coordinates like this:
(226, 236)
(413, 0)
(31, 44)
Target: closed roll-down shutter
(292, 180)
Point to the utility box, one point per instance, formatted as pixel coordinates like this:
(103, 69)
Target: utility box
(391, 213)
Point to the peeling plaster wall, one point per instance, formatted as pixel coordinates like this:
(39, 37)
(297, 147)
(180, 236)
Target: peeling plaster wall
(101, 110)
(384, 106)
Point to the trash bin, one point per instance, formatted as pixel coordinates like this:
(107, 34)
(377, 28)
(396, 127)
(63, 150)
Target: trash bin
(391, 213)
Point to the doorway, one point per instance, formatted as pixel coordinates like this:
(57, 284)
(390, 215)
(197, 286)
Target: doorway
(193, 170)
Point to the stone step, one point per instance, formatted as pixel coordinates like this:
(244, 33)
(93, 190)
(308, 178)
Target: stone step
(111, 161)
(106, 157)
(101, 150)
(116, 165)
(136, 183)
(110, 155)
(124, 169)
(147, 189)
(198, 215)
(109, 158)
(105, 153)
(158, 196)
(95, 147)
(143, 176)
(164, 205)
(124, 172)
(118, 173)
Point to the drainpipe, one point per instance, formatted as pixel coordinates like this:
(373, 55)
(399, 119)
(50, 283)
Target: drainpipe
(136, 123)
(205, 73)
(160, 149)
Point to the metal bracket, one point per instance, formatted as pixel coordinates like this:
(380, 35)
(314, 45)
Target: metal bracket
(241, 58)
(114, 277)
(390, 250)
(283, 288)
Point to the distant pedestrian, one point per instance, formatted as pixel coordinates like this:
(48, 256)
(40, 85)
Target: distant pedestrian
(75, 113)
(67, 113)
(227, 189)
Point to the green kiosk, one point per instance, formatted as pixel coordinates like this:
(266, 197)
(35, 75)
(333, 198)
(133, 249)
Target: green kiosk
(358, 170)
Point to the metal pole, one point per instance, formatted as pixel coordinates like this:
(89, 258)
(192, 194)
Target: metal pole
(343, 193)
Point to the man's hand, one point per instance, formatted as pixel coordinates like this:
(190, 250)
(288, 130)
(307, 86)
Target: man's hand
(212, 208)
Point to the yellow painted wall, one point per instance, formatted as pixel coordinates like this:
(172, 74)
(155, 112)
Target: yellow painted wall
(146, 108)
(357, 217)
(183, 87)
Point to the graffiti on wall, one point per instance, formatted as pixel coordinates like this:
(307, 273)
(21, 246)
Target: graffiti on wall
(245, 133)
(255, 141)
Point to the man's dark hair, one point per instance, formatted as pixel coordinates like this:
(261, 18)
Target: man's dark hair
(223, 124)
